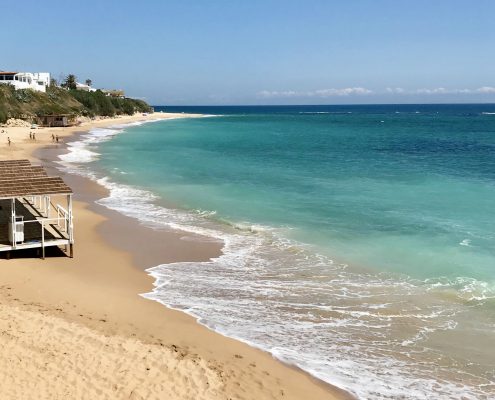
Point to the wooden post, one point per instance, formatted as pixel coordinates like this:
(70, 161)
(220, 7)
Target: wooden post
(70, 226)
(42, 239)
(48, 206)
(13, 226)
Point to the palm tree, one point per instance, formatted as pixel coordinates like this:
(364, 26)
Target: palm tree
(70, 81)
(89, 82)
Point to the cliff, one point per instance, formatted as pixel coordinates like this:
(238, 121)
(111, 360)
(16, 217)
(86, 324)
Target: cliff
(27, 104)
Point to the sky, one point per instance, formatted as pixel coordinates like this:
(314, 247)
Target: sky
(222, 52)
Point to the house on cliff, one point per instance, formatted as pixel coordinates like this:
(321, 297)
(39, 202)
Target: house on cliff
(84, 87)
(26, 80)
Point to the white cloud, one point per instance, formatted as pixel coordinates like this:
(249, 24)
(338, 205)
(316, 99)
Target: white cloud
(316, 93)
(486, 89)
(439, 90)
(442, 90)
(286, 93)
(360, 91)
(397, 90)
(340, 92)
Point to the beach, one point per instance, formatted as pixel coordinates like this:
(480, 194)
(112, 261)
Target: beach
(78, 328)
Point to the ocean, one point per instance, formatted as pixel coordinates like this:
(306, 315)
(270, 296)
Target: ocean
(359, 241)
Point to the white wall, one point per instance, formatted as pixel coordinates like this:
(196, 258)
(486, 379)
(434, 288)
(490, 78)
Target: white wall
(26, 80)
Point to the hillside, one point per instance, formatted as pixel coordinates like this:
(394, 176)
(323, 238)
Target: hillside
(27, 104)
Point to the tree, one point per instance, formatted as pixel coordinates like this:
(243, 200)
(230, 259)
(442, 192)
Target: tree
(89, 82)
(70, 82)
(105, 106)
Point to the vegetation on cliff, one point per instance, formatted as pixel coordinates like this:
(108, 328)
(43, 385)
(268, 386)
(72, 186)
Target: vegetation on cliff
(27, 104)
(98, 103)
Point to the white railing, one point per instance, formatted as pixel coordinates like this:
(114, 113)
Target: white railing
(62, 213)
(40, 203)
(44, 221)
(43, 205)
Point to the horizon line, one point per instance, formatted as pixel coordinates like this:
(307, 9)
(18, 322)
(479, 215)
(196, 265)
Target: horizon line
(321, 105)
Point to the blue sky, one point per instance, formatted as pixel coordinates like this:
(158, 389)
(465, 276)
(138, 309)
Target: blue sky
(262, 52)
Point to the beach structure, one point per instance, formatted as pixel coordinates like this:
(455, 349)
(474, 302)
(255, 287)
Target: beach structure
(84, 87)
(114, 93)
(60, 120)
(30, 215)
(26, 80)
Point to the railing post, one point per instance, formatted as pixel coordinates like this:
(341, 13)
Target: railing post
(70, 228)
(42, 239)
(13, 226)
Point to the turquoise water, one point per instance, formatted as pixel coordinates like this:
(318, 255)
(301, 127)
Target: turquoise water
(400, 192)
(370, 229)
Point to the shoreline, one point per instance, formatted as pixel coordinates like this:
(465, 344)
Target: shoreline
(99, 290)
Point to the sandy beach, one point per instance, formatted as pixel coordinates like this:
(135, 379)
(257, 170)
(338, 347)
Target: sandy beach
(78, 329)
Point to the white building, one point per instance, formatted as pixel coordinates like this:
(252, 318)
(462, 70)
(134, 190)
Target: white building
(85, 88)
(26, 80)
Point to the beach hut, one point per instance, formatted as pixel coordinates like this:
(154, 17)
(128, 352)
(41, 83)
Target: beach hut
(60, 120)
(35, 209)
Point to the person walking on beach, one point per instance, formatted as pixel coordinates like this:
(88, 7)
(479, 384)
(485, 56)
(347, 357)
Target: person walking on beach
(53, 137)
(8, 140)
(34, 135)
(56, 138)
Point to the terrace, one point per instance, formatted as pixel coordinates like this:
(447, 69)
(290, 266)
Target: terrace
(31, 213)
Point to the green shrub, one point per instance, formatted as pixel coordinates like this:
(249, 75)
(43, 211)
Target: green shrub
(28, 103)
(87, 100)
(105, 106)
(3, 116)
(24, 95)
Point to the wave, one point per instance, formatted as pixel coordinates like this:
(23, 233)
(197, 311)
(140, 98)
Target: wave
(83, 151)
(366, 333)
(263, 277)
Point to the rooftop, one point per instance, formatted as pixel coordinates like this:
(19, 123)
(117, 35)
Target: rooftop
(18, 178)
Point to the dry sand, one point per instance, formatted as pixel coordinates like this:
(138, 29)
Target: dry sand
(77, 328)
